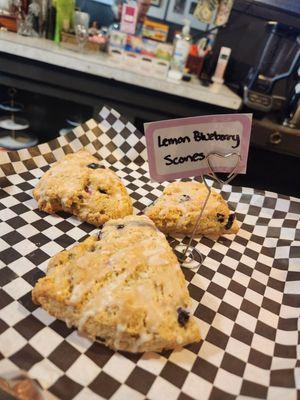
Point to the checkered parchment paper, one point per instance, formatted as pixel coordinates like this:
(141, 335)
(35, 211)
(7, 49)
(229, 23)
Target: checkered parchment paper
(245, 296)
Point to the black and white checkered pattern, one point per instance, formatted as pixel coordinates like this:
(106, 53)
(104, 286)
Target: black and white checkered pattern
(245, 295)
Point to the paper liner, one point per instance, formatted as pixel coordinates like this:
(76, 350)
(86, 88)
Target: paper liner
(245, 295)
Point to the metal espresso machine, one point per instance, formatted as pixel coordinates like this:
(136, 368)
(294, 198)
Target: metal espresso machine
(272, 90)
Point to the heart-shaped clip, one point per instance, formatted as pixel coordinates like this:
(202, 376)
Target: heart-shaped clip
(233, 173)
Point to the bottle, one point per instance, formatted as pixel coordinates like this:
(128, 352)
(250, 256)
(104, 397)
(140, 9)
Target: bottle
(50, 21)
(221, 65)
(182, 44)
(65, 10)
(129, 18)
(93, 30)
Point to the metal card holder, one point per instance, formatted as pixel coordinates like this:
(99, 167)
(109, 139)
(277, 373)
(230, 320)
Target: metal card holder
(187, 254)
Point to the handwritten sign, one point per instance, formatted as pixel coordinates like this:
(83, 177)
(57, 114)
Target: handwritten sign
(178, 148)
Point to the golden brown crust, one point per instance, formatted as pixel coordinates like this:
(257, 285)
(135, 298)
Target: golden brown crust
(93, 195)
(176, 211)
(126, 288)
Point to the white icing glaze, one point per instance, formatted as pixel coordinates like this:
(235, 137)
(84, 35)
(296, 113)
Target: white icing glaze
(78, 291)
(154, 252)
(120, 328)
(157, 259)
(116, 292)
(69, 323)
(101, 299)
(84, 317)
(144, 338)
(179, 339)
(154, 310)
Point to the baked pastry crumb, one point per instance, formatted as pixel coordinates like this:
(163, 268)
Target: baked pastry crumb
(80, 185)
(124, 288)
(177, 210)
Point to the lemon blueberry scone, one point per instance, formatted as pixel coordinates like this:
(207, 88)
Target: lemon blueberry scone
(78, 184)
(176, 211)
(124, 288)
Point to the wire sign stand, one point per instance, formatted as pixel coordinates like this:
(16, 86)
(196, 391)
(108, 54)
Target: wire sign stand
(189, 256)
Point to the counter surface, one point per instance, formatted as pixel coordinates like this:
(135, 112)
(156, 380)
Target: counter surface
(100, 64)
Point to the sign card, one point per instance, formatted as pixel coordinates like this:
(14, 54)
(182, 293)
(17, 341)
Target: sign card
(178, 148)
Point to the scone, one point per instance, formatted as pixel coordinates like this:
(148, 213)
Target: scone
(176, 211)
(124, 288)
(80, 185)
